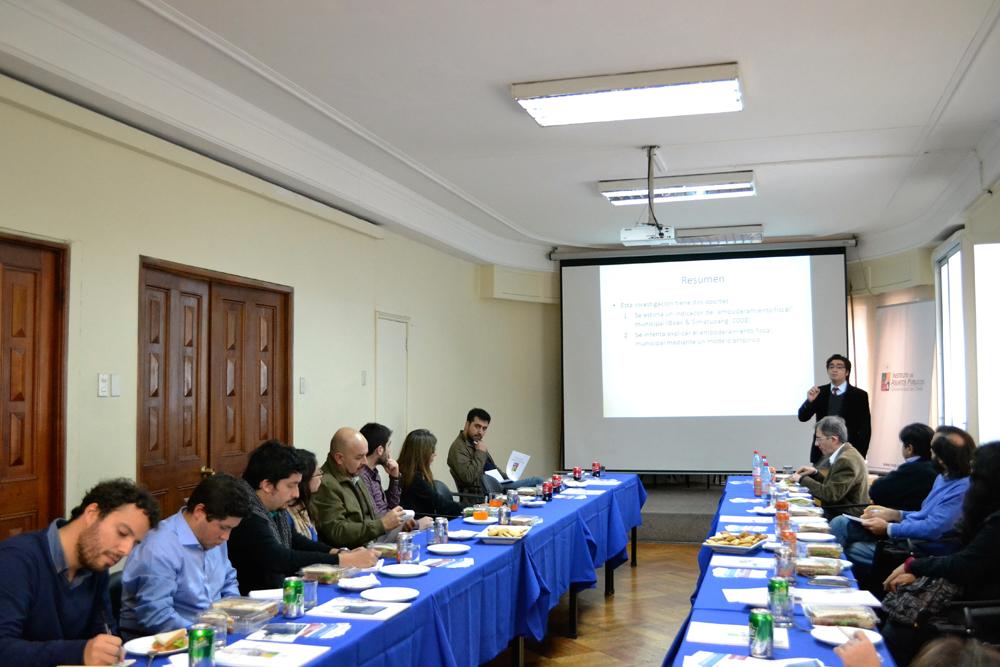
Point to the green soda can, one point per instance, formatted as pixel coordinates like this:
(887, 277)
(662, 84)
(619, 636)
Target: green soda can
(779, 599)
(761, 634)
(293, 597)
(201, 645)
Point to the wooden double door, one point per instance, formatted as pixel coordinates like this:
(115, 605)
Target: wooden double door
(214, 376)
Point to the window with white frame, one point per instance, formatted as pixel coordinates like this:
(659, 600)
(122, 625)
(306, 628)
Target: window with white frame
(987, 271)
(951, 346)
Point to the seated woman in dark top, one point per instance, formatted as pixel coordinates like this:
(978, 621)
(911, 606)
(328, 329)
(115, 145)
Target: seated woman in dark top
(974, 567)
(419, 493)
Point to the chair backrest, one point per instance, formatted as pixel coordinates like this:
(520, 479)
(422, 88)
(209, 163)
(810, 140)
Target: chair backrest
(115, 593)
(442, 490)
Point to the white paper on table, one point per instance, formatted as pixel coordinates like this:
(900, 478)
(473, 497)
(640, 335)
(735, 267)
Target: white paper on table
(729, 635)
(751, 597)
(729, 518)
(335, 608)
(246, 653)
(754, 562)
(495, 474)
(592, 481)
(740, 481)
(836, 597)
(286, 632)
(267, 594)
(569, 496)
(712, 659)
(738, 573)
(516, 463)
(589, 492)
(755, 501)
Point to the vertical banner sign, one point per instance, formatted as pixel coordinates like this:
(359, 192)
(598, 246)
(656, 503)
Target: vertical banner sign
(904, 357)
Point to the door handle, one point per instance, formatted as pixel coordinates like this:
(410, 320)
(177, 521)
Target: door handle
(206, 472)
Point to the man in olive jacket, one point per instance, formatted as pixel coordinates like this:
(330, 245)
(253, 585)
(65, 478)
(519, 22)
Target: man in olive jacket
(342, 508)
(845, 479)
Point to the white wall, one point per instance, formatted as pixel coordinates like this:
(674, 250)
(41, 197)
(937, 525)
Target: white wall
(113, 194)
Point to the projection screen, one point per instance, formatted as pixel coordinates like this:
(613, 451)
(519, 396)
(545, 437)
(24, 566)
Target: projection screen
(687, 363)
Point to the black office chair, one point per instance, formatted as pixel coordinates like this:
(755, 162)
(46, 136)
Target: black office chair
(975, 619)
(466, 498)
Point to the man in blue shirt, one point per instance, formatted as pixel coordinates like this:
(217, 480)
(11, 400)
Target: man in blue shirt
(952, 450)
(54, 605)
(183, 566)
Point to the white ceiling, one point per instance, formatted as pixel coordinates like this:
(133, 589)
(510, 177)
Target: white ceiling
(880, 119)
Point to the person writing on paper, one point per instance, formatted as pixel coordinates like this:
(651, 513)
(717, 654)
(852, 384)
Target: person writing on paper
(419, 493)
(841, 399)
(951, 450)
(54, 605)
(343, 508)
(183, 566)
(845, 481)
(379, 440)
(263, 548)
(469, 458)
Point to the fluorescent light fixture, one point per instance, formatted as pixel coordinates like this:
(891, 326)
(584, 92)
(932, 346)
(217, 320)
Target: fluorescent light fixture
(690, 187)
(685, 91)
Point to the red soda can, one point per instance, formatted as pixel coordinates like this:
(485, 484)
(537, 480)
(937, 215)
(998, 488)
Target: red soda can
(595, 468)
(577, 473)
(546, 491)
(557, 483)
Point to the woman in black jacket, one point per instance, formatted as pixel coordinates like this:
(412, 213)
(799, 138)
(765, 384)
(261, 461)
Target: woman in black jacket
(419, 493)
(973, 567)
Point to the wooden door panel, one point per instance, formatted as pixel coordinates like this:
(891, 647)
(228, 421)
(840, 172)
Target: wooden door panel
(173, 399)
(31, 477)
(249, 359)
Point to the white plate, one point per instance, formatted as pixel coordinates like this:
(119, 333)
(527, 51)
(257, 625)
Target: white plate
(772, 546)
(359, 583)
(836, 635)
(461, 534)
(142, 645)
(390, 594)
(814, 537)
(480, 522)
(448, 549)
(533, 503)
(730, 549)
(404, 570)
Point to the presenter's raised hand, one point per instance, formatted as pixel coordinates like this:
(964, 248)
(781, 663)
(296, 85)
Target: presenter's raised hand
(812, 394)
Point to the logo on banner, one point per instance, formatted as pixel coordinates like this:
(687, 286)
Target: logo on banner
(901, 382)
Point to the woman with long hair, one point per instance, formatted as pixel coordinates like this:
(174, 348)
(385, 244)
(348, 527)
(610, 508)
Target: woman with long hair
(973, 567)
(298, 510)
(415, 461)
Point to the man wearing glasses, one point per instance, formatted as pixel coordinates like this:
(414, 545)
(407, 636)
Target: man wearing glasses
(843, 489)
(841, 399)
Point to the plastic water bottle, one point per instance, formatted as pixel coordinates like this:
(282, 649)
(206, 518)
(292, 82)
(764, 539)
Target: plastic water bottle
(765, 479)
(756, 463)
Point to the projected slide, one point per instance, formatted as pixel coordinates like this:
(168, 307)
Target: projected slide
(707, 338)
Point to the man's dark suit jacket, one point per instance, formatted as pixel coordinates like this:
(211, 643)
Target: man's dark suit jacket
(854, 410)
(905, 487)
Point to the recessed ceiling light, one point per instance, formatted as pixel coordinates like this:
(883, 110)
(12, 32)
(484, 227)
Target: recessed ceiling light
(690, 187)
(654, 94)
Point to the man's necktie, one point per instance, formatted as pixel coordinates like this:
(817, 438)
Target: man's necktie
(836, 390)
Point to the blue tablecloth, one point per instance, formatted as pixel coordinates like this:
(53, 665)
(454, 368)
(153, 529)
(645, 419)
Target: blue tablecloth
(709, 603)
(468, 616)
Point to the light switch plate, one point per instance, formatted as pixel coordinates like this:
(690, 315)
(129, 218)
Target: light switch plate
(116, 384)
(103, 385)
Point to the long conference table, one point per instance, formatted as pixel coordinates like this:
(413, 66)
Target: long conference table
(709, 604)
(468, 616)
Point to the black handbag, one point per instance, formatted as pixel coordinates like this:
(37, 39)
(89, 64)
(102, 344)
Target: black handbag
(925, 596)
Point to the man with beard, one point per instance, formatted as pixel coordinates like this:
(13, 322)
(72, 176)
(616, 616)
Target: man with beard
(469, 458)
(183, 566)
(54, 604)
(378, 437)
(263, 547)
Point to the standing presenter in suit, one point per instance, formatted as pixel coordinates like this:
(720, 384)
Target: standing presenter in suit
(840, 399)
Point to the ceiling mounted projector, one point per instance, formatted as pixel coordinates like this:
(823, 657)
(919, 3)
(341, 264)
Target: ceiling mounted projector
(648, 235)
